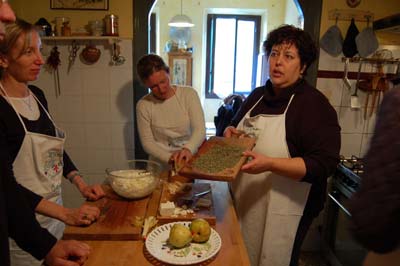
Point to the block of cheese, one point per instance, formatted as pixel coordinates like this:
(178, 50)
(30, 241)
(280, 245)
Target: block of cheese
(167, 208)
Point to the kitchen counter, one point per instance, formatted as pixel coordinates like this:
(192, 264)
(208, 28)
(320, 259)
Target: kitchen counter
(126, 253)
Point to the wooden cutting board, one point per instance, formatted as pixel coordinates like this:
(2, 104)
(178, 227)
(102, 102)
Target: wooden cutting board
(115, 221)
(227, 174)
(205, 213)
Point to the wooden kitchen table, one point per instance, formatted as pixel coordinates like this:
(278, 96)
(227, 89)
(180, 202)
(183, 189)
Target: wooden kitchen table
(134, 253)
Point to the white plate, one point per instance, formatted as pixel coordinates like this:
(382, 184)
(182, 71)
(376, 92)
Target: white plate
(156, 244)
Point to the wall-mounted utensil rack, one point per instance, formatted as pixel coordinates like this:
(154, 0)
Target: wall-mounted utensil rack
(349, 14)
(372, 60)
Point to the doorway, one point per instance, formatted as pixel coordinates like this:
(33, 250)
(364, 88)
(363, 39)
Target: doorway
(142, 11)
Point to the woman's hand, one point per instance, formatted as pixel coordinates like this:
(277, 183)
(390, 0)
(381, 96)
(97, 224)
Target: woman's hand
(85, 215)
(93, 192)
(232, 132)
(181, 157)
(258, 163)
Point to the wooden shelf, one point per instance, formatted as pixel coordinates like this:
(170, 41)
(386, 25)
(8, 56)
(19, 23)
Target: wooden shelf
(350, 75)
(111, 39)
(349, 14)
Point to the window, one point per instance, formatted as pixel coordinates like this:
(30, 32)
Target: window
(232, 51)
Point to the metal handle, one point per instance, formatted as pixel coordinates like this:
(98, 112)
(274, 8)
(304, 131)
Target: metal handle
(338, 203)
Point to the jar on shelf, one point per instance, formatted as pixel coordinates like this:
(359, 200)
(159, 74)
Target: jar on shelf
(111, 25)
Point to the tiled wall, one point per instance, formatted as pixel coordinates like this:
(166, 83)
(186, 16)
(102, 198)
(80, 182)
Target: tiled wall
(95, 109)
(356, 130)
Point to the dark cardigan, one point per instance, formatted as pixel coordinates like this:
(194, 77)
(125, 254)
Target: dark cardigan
(312, 131)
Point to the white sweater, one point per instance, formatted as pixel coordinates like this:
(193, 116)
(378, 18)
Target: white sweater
(169, 125)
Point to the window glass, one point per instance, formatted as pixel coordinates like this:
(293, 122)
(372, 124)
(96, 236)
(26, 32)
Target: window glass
(244, 59)
(224, 59)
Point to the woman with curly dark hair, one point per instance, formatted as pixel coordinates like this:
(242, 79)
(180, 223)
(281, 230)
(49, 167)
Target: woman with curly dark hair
(282, 187)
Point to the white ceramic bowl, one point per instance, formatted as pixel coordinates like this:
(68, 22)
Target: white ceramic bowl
(137, 180)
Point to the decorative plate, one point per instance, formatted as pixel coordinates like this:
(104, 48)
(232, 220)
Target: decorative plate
(156, 244)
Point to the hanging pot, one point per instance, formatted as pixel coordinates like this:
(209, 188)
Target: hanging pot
(90, 54)
(349, 43)
(366, 41)
(332, 41)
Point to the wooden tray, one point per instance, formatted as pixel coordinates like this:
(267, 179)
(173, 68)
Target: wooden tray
(205, 213)
(115, 221)
(227, 174)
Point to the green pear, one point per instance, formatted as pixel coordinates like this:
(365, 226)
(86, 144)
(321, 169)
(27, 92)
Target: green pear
(201, 230)
(179, 236)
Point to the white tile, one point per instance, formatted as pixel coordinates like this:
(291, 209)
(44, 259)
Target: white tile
(328, 62)
(351, 120)
(70, 109)
(72, 198)
(122, 107)
(71, 82)
(122, 136)
(120, 80)
(371, 120)
(366, 139)
(120, 157)
(96, 81)
(98, 160)
(97, 109)
(75, 135)
(79, 157)
(331, 89)
(351, 144)
(98, 135)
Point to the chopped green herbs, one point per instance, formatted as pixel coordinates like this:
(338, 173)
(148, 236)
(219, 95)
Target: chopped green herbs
(218, 158)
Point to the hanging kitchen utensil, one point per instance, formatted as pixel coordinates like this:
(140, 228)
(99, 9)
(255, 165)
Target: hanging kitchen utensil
(366, 41)
(117, 59)
(349, 43)
(346, 80)
(73, 49)
(90, 54)
(354, 101)
(53, 61)
(332, 40)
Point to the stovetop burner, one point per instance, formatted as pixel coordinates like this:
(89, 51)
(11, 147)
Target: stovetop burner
(348, 174)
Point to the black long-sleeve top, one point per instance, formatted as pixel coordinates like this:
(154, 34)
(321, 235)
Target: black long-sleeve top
(12, 131)
(375, 208)
(312, 131)
(17, 219)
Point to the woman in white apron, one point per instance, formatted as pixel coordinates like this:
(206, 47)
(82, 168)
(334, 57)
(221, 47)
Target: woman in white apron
(282, 187)
(170, 119)
(35, 144)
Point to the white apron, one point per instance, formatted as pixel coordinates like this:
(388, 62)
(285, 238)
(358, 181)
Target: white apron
(269, 206)
(39, 167)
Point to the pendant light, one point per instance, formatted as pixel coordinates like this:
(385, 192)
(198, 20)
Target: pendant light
(181, 21)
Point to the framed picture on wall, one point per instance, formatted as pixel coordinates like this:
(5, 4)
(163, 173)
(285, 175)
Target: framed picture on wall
(180, 64)
(79, 4)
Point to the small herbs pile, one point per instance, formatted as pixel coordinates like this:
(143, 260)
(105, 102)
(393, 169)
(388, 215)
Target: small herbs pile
(218, 158)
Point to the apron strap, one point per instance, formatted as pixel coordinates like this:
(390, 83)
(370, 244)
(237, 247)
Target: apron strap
(12, 105)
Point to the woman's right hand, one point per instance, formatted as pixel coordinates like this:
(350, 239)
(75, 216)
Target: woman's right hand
(85, 215)
(232, 132)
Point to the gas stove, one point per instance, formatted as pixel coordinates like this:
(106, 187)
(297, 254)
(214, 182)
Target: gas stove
(348, 175)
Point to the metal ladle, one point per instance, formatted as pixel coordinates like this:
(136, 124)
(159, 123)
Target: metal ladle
(346, 80)
(117, 58)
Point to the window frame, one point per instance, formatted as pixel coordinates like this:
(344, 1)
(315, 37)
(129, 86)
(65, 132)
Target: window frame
(210, 50)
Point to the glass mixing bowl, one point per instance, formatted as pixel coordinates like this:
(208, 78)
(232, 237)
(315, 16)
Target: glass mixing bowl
(137, 180)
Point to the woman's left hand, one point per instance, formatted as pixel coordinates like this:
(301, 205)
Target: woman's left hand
(84, 215)
(93, 192)
(258, 163)
(181, 157)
